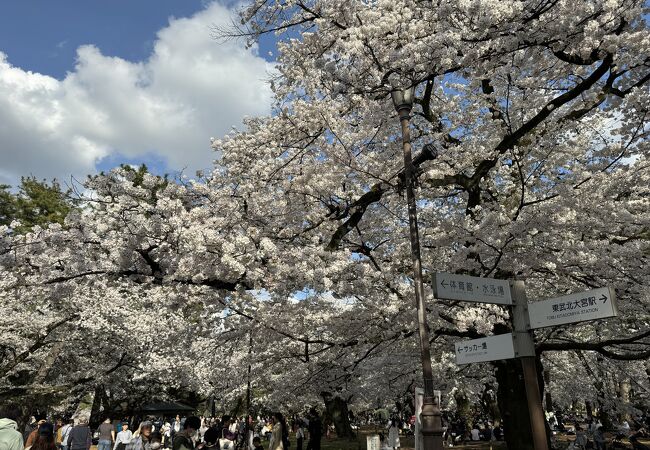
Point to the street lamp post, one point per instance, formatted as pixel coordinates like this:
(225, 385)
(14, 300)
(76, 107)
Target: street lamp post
(430, 417)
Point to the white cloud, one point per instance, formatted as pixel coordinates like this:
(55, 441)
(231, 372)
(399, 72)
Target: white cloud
(190, 88)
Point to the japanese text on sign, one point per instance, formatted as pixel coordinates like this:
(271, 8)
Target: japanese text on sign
(489, 348)
(471, 289)
(579, 307)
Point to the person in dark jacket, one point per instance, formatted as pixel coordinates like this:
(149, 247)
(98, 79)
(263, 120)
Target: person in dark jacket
(315, 429)
(183, 440)
(80, 437)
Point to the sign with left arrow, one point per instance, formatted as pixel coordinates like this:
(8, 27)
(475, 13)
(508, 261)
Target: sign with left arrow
(450, 286)
(489, 348)
(579, 307)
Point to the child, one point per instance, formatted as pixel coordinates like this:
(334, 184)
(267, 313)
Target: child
(257, 443)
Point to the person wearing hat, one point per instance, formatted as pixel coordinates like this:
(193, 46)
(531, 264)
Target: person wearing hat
(44, 438)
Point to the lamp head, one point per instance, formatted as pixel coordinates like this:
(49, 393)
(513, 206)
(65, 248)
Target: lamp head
(403, 100)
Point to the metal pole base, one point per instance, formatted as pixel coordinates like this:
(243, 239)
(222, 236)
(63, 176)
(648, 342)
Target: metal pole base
(431, 420)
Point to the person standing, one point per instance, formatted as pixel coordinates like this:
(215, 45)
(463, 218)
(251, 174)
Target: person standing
(34, 434)
(29, 428)
(315, 430)
(80, 437)
(183, 440)
(65, 434)
(300, 434)
(106, 435)
(175, 427)
(141, 437)
(10, 437)
(210, 439)
(58, 436)
(166, 434)
(44, 439)
(279, 433)
(393, 433)
(123, 437)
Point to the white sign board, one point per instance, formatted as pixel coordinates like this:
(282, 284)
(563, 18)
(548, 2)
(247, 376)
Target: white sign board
(419, 401)
(488, 348)
(471, 289)
(590, 305)
(373, 442)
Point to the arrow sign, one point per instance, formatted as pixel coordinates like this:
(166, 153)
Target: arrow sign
(578, 307)
(471, 289)
(488, 348)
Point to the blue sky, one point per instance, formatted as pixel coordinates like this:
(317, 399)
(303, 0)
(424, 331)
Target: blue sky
(87, 84)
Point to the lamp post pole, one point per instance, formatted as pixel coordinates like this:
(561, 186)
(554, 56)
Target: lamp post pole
(430, 416)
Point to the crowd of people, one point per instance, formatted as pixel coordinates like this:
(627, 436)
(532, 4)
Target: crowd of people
(187, 433)
(272, 433)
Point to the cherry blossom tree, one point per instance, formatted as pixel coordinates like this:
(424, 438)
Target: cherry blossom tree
(531, 122)
(530, 128)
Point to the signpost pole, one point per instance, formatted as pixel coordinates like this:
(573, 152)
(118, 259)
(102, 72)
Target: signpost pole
(525, 349)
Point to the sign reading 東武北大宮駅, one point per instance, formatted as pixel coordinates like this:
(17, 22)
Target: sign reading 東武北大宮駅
(489, 348)
(579, 307)
(471, 289)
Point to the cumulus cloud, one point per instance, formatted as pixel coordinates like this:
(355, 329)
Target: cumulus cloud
(189, 89)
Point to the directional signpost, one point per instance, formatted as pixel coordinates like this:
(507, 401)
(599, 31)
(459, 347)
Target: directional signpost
(579, 307)
(471, 289)
(489, 348)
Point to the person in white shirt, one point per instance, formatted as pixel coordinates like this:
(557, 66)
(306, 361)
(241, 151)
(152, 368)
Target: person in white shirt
(476, 434)
(65, 434)
(123, 437)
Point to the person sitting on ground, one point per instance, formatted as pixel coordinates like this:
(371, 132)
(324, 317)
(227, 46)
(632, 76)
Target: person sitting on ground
(183, 440)
(475, 433)
(634, 439)
(44, 439)
(599, 438)
(581, 438)
(10, 437)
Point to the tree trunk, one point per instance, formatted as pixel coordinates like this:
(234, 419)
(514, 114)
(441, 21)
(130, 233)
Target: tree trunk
(337, 410)
(511, 396)
(464, 409)
(47, 365)
(96, 408)
(489, 403)
(624, 389)
(589, 408)
(548, 399)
